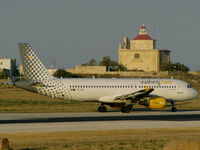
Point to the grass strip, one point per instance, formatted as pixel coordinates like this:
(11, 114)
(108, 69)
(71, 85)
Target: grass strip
(142, 139)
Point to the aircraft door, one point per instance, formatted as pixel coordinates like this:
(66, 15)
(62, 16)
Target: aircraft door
(180, 89)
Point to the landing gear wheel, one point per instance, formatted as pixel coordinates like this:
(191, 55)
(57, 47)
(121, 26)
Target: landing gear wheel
(102, 108)
(174, 109)
(126, 109)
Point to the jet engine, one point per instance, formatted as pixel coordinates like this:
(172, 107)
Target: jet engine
(153, 102)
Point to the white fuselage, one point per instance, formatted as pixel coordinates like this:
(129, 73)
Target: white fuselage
(93, 89)
(81, 89)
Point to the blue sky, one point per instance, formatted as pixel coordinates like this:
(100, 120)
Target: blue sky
(73, 31)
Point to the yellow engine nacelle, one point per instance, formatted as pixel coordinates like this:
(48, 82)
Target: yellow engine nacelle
(157, 102)
(154, 102)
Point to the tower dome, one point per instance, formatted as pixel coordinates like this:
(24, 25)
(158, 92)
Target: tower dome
(143, 35)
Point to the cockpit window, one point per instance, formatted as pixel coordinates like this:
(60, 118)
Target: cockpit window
(189, 86)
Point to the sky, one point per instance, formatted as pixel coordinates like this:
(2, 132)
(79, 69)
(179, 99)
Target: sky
(73, 31)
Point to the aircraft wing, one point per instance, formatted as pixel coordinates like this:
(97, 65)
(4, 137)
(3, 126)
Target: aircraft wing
(138, 94)
(128, 96)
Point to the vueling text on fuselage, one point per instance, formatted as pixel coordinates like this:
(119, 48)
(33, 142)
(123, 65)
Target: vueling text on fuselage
(156, 82)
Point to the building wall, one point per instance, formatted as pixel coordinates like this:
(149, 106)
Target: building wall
(164, 57)
(90, 69)
(8, 64)
(83, 70)
(137, 74)
(142, 44)
(148, 59)
(5, 63)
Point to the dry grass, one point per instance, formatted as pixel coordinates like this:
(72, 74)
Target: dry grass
(138, 139)
(182, 145)
(19, 100)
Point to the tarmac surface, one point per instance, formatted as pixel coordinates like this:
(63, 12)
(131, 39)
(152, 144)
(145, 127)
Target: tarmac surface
(50, 122)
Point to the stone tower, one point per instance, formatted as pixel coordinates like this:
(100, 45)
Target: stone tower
(140, 53)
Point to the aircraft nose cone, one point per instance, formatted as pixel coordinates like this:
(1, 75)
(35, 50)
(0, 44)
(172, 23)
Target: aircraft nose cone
(194, 93)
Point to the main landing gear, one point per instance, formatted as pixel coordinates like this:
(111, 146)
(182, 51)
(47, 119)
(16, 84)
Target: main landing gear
(124, 108)
(102, 108)
(127, 109)
(174, 109)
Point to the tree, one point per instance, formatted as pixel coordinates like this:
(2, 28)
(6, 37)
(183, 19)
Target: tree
(3, 75)
(181, 67)
(174, 67)
(166, 67)
(15, 71)
(61, 73)
(111, 64)
(92, 62)
(106, 61)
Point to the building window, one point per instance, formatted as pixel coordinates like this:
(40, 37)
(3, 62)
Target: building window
(137, 55)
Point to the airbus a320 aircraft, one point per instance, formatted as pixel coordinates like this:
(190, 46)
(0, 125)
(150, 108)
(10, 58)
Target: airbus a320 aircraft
(123, 93)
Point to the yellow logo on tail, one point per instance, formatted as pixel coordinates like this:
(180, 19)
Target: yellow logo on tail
(30, 57)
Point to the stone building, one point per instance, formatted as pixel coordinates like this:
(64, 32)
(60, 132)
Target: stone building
(140, 53)
(8, 65)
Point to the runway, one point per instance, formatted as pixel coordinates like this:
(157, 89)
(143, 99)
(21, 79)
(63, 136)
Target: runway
(49, 122)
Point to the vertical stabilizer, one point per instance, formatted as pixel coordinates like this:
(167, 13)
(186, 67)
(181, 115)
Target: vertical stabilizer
(34, 70)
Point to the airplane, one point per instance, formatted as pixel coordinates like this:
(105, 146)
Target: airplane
(122, 93)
